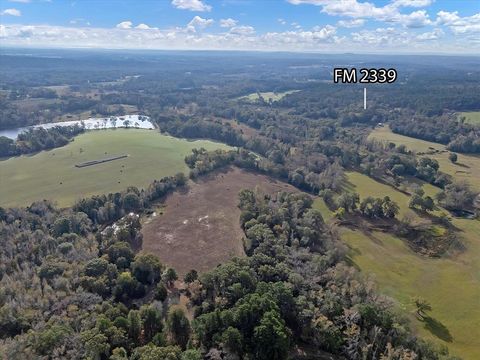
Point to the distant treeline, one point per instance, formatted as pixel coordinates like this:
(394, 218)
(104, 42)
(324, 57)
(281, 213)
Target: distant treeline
(446, 130)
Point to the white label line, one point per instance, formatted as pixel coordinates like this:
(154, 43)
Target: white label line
(364, 98)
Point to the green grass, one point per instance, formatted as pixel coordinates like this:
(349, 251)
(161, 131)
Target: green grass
(151, 156)
(450, 284)
(268, 96)
(472, 117)
(320, 205)
(365, 186)
(467, 167)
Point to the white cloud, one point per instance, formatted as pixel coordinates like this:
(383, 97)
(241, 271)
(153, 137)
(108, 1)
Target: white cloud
(242, 30)
(12, 12)
(351, 23)
(198, 23)
(412, 3)
(228, 23)
(320, 38)
(324, 33)
(401, 38)
(354, 9)
(351, 8)
(282, 21)
(415, 20)
(341, 6)
(296, 25)
(382, 37)
(367, 10)
(447, 18)
(238, 38)
(124, 25)
(192, 5)
(431, 35)
(457, 24)
(142, 27)
(20, 1)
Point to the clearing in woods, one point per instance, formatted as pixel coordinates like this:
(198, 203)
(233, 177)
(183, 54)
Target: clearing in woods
(466, 168)
(267, 96)
(200, 227)
(471, 117)
(52, 174)
(451, 284)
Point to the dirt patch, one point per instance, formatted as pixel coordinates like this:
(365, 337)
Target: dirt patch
(200, 226)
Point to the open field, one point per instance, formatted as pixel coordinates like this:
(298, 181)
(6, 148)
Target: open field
(471, 117)
(267, 96)
(365, 186)
(52, 174)
(467, 167)
(200, 227)
(451, 284)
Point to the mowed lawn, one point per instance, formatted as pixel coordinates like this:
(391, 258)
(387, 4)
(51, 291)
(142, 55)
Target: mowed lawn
(467, 167)
(450, 284)
(52, 174)
(471, 117)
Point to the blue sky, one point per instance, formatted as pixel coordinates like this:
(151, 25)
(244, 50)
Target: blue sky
(403, 26)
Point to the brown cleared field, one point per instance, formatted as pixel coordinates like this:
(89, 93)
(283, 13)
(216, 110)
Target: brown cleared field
(200, 226)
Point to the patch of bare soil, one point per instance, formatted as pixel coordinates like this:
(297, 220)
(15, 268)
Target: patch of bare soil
(200, 227)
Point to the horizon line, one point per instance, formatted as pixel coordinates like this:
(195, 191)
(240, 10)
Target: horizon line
(259, 51)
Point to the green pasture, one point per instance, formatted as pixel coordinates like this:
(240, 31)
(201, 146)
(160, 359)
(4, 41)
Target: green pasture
(471, 117)
(52, 174)
(467, 167)
(451, 284)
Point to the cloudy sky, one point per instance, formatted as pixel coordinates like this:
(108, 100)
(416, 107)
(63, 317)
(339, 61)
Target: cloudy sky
(390, 26)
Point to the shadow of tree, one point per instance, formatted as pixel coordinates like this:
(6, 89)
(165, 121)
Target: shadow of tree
(437, 329)
(350, 262)
(462, 165)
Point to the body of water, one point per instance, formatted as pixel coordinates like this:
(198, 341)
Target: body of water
(132, 121)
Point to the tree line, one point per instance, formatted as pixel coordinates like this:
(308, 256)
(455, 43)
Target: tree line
(37, 139)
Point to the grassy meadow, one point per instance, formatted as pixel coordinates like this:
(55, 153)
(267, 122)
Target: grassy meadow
(52, 174)
(467, 167)
(267, 96)
(451, 284)
(471, 117)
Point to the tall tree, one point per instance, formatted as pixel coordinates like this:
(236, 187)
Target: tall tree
(178, 327)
